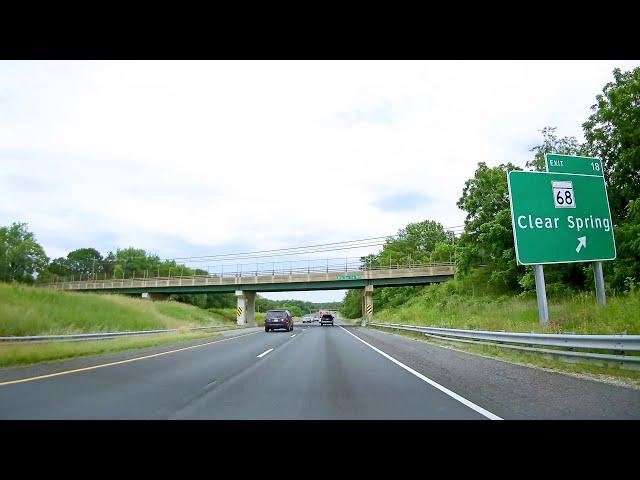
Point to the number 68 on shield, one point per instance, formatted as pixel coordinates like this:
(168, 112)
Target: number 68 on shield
(563, 194)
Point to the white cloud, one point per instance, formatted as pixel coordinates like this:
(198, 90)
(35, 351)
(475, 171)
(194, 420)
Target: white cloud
(192, 157)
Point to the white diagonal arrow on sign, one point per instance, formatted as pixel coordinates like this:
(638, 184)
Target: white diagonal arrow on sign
(582, 242)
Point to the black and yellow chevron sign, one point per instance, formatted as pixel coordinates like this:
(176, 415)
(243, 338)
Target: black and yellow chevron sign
(239, 311)
(369, 309)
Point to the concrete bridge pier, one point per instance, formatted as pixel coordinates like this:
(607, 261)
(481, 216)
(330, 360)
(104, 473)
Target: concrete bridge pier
(246, 310)
(367, 315)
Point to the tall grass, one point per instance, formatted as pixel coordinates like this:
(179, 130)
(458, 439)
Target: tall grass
(467, 304)
(226, 314)
(192, 314)
(28, 310)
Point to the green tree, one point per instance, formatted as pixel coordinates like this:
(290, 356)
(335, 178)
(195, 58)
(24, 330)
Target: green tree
(197, 299)
(552, 144)
(109, 264)
(625, 270)
(85, 262)
(612, 134)
(130, 262)
(443, 252)
(414, 243)
(488, 236)
(221, 300)
(420, 242)
(370, 260)
(58, 268)
(351, 306)
(21, 257)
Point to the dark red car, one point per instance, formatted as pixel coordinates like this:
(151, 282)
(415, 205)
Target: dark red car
(278, 319)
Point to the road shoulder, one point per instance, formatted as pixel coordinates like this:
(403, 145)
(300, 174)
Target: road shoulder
(509, 390)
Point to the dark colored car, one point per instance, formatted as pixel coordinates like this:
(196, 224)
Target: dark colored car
(278, 319)
(326, 318)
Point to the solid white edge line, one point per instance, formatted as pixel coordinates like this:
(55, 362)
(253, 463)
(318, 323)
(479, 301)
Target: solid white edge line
(445, 390)
(264, 353)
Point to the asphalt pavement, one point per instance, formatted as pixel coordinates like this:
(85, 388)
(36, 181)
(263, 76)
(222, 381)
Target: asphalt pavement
(314, 372)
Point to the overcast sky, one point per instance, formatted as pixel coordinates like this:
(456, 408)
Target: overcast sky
(194, 158)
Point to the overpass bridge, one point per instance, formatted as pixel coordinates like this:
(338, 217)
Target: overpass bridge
(246, 284)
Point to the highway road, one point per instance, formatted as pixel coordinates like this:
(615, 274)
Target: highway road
(314, 372)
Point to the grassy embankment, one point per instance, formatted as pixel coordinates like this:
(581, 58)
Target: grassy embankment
(36, 311)
(471, 303)
(229, 315)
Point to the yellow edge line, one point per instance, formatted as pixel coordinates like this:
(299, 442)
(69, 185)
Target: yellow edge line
(67, 372)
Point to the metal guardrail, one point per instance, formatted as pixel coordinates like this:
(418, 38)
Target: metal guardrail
(515, 340)
(98, 336)
(600, 342)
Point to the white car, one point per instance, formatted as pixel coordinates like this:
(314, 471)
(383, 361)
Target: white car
(307, 319)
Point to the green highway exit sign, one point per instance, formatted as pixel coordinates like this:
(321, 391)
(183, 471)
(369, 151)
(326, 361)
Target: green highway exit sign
(348, 277)
(560, 217)
(572, 164)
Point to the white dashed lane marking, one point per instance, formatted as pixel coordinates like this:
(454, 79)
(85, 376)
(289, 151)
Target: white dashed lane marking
(264, 353)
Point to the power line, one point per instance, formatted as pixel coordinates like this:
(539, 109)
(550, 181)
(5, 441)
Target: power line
(240, 256)
(303, 250)
(285, 251)
(293, 248)
(281, 255)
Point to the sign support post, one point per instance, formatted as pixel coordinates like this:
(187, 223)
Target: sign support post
(541, 292)
(599, 278)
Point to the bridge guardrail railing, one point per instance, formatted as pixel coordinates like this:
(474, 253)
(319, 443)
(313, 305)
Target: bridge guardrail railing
(232, 276)
(562, 343)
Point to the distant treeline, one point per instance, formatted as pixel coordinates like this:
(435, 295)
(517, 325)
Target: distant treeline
(23, 260)
(297, 308)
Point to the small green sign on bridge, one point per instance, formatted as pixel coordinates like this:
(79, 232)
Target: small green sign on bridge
(348, 277)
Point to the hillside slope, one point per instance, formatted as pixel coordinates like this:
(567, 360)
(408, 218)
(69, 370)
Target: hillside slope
(36, 311)
(471, 303)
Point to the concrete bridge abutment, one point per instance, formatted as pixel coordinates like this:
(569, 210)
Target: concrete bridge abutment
(246, 308)
(367, 315)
